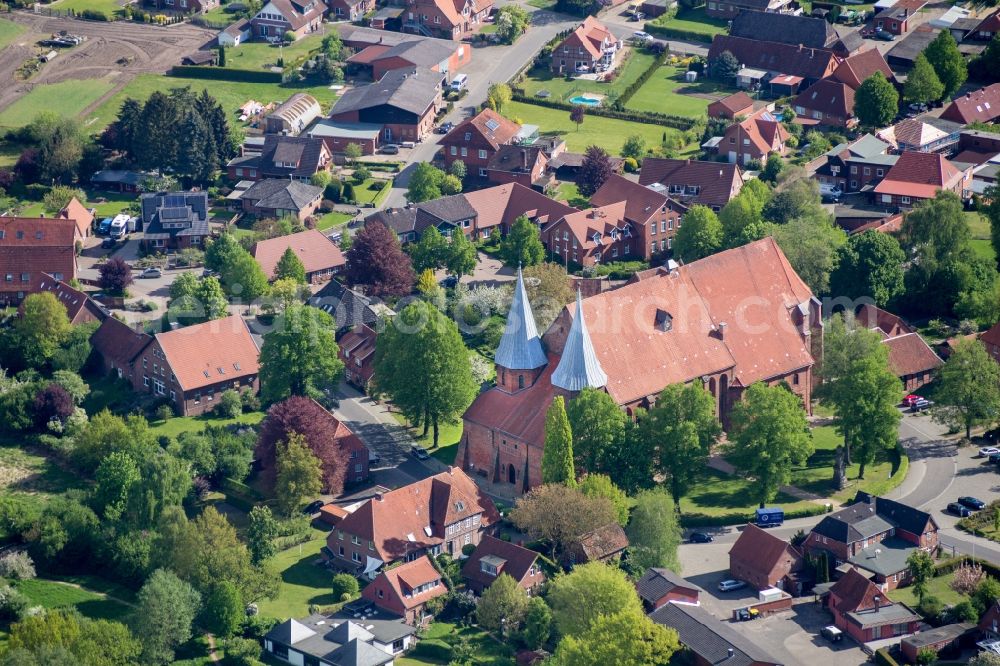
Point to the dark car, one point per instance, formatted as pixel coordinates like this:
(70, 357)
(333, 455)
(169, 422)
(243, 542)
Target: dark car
(972, 503)
(313, 507)
(108, 242)
(444, 128)
(959, 510)
(920, 405)
(700, 537)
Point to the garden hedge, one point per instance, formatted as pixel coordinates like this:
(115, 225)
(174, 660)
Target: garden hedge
(432, 648)
(676, 122)
(224, 74)
(678, 33)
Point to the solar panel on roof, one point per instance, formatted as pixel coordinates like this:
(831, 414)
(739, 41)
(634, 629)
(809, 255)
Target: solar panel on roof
(492, 124)
(173, 213)
(173, 200)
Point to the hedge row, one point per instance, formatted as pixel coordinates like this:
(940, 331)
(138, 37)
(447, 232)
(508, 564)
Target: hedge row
(739, 518)
(678, 33)
(228, 485)
(645, 76)
(432, 648)
(945, 567)
(224, 74)
(676, 122)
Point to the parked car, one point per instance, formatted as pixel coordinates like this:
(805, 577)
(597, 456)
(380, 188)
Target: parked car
(832, 634)
(920, 405)
(582, 69)
(313, 507)
(151, 273)
(829, 192)
(988, 451)
(700, 537)
(641, 36)
(885, 36)
(419, 452)
(958, 510)
(972, 503)
(208, 272)
(444, 128)
(917, 108)
(729, 585)
(995, 458)
(390, 149)
(910, 399)
(108, 243)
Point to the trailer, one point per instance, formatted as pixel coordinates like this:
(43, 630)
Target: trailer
(769, 517)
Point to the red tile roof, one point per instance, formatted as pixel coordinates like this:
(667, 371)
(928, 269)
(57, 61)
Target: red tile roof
(919, 175)
(516, 414)
(830, 97)
(314, 250)
(33, 247)
(501, 205)
(402, 580)
(585, 224)
(209, 353)
(717, 182)
(856, 593)
(80, 307)
(488, 124)
(602, 543)
(517, 560)
(369, 54)
(910, 355)
(759, 550)
(79, 213)
(982, 105)
(810, 63)
(641, 203)
(116, 340)
(591, 34)
(734, 105)
(765, 132)
(854, 70)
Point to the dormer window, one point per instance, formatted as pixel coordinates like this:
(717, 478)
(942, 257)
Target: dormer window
(597, 237)
(663, 320)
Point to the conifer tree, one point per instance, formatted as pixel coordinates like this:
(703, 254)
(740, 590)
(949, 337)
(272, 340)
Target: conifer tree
(557, 457)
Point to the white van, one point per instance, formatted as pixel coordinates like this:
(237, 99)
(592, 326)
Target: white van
(458, 83)
(119, 226)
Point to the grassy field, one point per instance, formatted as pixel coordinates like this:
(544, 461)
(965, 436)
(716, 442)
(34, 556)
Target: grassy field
(608, 133)
(331, 220)
(693, 20)
(52, 594)
(980, 228)
(449, 435)
(562, 88)
(230, 94)
(66, 98)
(108, 7)
(302, 583)
(256, 56)
(667, 92)
(175, 426)
(570, 193)
(107, 204)
(485, 649)
(817, 475)
(718, 494)
(27, 473)
(937, 587)
(9, 32)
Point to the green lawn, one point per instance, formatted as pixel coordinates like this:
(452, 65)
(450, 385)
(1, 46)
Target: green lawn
(449, 435)
(219, 15)
(302, 583)
(66, 98)
(562, 88)
(980, 228)
(543, 4)
(27, 473)
(230, 94)
(570, 193)
(178, 424)
(693, 20)
(107, 204)
(937, 587)
(334, 219)
(817, 475)
(716, 494)
(256, 56)
(667, 92)
(608, 133)
(368, 191)
(52, 594)
(108, 7)
(485, 649)
(9, 32)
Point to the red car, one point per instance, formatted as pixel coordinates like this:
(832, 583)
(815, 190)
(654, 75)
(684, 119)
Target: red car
(911, 400)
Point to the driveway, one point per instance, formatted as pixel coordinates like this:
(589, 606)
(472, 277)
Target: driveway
(794, 638)
(489, 271)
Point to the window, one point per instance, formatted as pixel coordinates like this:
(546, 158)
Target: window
(20, 235)
(381, 594)
(487, 568)
(868, 171)
(482, 154)
(880, 172)
(465, 151)
(652, 229)
(340, 534)
(468, 537)
(905, 200)
(854, 184)
(854, 168)
(627, 248)
(371, 544)
(355, 540)
(520, 381)
(356, 556)
(145, 382)
(25, 277)
(732, 139)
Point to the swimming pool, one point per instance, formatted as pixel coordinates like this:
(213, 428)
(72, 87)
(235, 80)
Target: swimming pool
(585, 100)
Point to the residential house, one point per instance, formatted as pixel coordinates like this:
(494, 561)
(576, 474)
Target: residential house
(498, 207)
(493, 557)
(278, 17)
(986, 29)
(403, 102)
(917, 135)
(566, 165)
(319, 255)
(118, 346)
(338, 135)
(856, 166)
(910, 357)
(866, 613)
(604, 544)
(896, 19)
(989, 623)
(402, 221)
(182, 6)
(33, 251)
(950, 639)
(448, 214)
(83, 216)
(754, 138)
(590, 47)
(442, 513)
(236, 33)
(475, 141)
(764, 561)
(662, 586)
(349, 307)
(693, 181)
(919, 176)
(438, 55)
(118, 180)
(727, 9)
(292, 116)
(598, 234)
(875, 534)
(174, 220)
(991, 340)
(357, 352)
(194, 365)
(405, 590)
(731, 107)
(777, 60)
(526, 165)
(278, 198)
(339, 640)
(977, 147)
(676, 316)
(80, 308)
(856, 69)
(710, 640)
(652, 217)
(283, 157)
(350, 10)
(794, 30)
(827, 103)
(981, 105)
(445, 19)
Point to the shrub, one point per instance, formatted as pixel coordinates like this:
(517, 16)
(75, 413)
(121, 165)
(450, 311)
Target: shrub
(164, 412)
(432, 649)
(17, 565)
(361, 174)
(345, 587)
(468, 549)
(930, 607)
(230, 404)
(13, 604)
(251, 403)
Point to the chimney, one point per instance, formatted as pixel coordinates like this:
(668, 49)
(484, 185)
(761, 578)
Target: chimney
(731, 653)
(876, 598)
(524, 159)
(378, 496)
(722, 330)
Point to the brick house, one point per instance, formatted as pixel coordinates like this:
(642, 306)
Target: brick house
(174, 220)
(526, 165)
(406, 589)
(856, 69)
(910, 357)
(856, 165)
(763, 560)
(691, 182)
(404, 102)
(357, 351)
(828, 103)
(912, 134)
(754, 138)
(498, 207)
(493, 557)
(731, 107)
(950, 638)
(794, 30)
(918, 176)
(194, 365)
(80, 308)
(991, 340)
(874, 534)
(442, 513)
(653, 216)
(350, 10)
(710, 641)
(590, 47)
(33, 251)
(475, 141)
(590, 237)
(776, 59)
(981, 105)
(727, 9)
(280, 16)
(445, 19)
(283, 157)
(865, 612)
(278, 198)
(319, 255)
(662, 586)
(118, 346)
(896, 19)
(378, 52)
(989, 623)
(83, 216)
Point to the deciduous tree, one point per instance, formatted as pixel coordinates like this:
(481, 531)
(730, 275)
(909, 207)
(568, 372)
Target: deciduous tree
(502, 606)
(559, 514)
(869, 265)
(376, 261)
(922, 83)
(299, 357)
(626, 637)
(578, 599)
(968, 392)
(548, 291)
(811, 245)
(653, 531)
(577, 115)
(699, 236)
(461, 259)
(41, 329)
(290, 267)
(597, 423)
(62, 635)
(431, 251)
(921, 568)
(876, 102)
(499, 96)
(601, 485)
(594, 171)
(166, 608)
(261, 532)
(947, 61)
(523, 245)
(557, 456)
(425, 183)
(538, 624)
(224, 610)
(634, 147)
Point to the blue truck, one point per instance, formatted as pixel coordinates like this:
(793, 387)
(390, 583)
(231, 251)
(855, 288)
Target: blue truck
(105, 227)
(769, 517)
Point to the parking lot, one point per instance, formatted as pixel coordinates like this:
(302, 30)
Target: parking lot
(794, 637)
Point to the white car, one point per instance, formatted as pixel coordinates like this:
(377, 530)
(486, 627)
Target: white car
(988, 451)
(642, 36)
(730, 585)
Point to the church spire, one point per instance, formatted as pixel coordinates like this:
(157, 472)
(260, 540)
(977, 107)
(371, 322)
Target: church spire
(520, 347)
(579, 368)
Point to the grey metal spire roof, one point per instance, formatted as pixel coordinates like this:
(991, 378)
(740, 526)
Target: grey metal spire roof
(520, 347)
(579, 368)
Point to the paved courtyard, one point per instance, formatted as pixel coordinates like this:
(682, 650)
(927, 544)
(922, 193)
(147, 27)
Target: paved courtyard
(794, 638)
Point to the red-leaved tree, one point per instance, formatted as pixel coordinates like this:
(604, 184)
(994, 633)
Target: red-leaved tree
(116, 275)
(595, 169)
(308, 418)
(53, 402)
(376, 261)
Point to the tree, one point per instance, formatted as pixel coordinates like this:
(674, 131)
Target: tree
(576, 115)
(430, 252)
(560, 514)
(985, 595)
(303, 416)
(724, 68)
(345, 587)
(523, 245)
(769, 435)
(53, 403)
(634, 147)
(589, 591)
(427, 285)
(106, 433)
(654, 531)
(63, 636)
(968, 393)
(947, 61)
(538, 624)
(287, 292)
(920, 565)
(425, 183)
(290, 267)
(596, 422)
(502, 606)
(739, 219)
(601, 485)
(594, 171)
(876, 102)
(299, 357)
(699, 236)
(511, 22)
(261, 532)
(41, 328)
(679, 431)
(772, 168)
(869, 265)
(224, 611)
(165, 609)
(548, 291)
(461, 258)
(557, 456)
(116, 476)
(245, 278)
(922, 83)
(987, 65)
(376, 261)
(811, 245)
(298, 474)
(457, 168)
(985, 659)
(230, 404)
(621, 638)
(499, 96)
